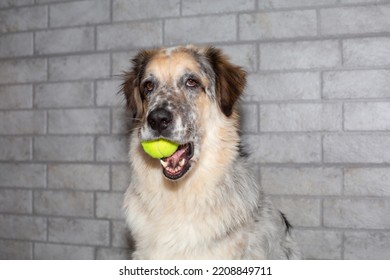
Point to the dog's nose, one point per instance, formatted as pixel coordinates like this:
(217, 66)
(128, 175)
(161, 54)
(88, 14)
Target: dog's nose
(160, 119)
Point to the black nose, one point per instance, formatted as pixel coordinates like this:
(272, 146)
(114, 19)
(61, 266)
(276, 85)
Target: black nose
(160, 119)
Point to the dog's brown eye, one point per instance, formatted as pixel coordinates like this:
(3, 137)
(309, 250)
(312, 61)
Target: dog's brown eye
(149, 86)
(191, 83)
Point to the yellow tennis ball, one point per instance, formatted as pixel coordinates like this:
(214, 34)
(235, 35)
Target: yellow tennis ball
(159, 148)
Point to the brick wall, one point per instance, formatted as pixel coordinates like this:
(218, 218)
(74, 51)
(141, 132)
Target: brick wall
(316, 116)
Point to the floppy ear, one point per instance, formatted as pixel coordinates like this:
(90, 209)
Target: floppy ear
(230, 79)
(131, 84)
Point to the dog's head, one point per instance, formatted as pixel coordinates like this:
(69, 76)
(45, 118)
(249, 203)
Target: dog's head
(171, 93)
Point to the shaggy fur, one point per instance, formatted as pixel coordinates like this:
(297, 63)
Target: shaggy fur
(202, 202)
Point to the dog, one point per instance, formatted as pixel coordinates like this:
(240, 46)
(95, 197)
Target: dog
(201, 202)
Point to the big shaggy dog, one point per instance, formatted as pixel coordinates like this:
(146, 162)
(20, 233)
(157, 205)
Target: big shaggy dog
(201, 202)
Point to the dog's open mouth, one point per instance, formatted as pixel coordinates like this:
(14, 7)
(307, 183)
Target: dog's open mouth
(176, 165)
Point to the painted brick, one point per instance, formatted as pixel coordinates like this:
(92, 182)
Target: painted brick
(356, 84)
(16, 45)
(367, 116)
(15, 201)
(300, 117)
(79, 231)
(23, 227)
(124, 10)
(107, 93)
(121, 175)
(23, 70)
(92, 66)
(104, 205)
(120, 235)
(79, 13)
(269, 4)
(64, 203)
(34, 175)
(248, 118)
(367, 51)
(121, 121)
(22, 19)
(15, 250)
(205, 29)
(64, 40)
(304, 212)
(289, 24)
(367, 245)
(47, 251)
(299, 55)
(320, 245)
(58, 95)
(357, 148)
(78, 176)
(302, 181)
(14, 3)
(63, 148)
(353, 20)
(121, 62)
(79, 121)
(284, 86)
(112, 254)
(284, 148)
(15, 148)
(22, 122)
(357, 213)
(367, 181)
(138, 34)
(16, 97)
(243, 55)
(112, 148)
(217, 6)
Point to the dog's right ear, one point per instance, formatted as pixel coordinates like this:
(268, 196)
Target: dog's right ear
(131, 85)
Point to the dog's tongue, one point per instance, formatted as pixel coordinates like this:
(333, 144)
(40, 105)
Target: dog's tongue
(174, 160)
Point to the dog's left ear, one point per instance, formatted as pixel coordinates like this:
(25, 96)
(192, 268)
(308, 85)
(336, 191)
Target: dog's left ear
(230, 79)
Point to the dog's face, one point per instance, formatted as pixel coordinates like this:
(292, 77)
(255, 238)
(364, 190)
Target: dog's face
(171, 92)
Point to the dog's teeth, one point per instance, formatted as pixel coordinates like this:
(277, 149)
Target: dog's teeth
(163, 163)
(182, 162)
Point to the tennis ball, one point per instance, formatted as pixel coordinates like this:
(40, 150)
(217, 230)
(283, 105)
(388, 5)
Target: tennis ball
(159, 148)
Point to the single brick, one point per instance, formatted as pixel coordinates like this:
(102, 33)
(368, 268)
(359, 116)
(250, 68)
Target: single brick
(16, 97)
(23, 70)
(15, 148)
(113, 254)
(300, 117)
(78, 176)
(60, 95)
(22, 122)
(112, 148)
(79, 231)
(367, 245)
(47, 251)
(367, 51)
(242, 55)
(356, 84)
(357, 213)
(284, 86)
(319, 244)
(64, 203)
(22, 19)
(79, 121)
(299, 55)
(284, 148)
(124, 10)
(248, 118)
(79, 13)
(15, 250)
(367, 116)
(23, 227)
(34, 175)
(109, 205)
(269, 4)
(357, 148)
(91, 66)
(217, 6)
(121, 175)
(289, 24)
(367, 181)
(19, 44)
(302, 181)
(15, 201)
(64, 40)
(204, 29)
(138, 34)
(354, 20)
(63, 148)
(107, 93)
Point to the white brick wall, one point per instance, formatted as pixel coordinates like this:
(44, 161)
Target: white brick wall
(315, 116)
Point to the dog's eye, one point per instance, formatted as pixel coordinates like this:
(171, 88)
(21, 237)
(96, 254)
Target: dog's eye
(191, 83)
(149, 86)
